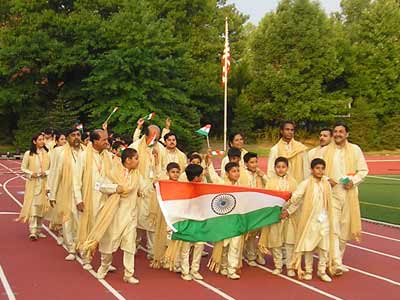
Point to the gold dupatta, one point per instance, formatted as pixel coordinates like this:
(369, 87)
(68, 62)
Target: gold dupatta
(25, 213)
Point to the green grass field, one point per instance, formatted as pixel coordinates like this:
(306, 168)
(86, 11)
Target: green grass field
(380, 198)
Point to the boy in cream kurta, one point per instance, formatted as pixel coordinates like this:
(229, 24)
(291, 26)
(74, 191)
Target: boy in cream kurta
(35, 165)
(315, 231)
(256, 179)
(231, 255)
(209, 173)
(194, 173)
(281, 236)
(121, 233)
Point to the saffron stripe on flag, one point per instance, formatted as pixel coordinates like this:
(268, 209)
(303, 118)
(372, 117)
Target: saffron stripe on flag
(174, 190)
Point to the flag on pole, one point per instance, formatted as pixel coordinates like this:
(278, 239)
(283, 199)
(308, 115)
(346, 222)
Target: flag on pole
(226, 58)
(204, 130)
(151, 140)
(79, 127)
(199, 212)
(113, 112)
(150, 116)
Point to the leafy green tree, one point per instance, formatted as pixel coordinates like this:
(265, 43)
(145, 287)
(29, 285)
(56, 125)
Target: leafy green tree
(296, 65)
(363, 125)
(372, 70)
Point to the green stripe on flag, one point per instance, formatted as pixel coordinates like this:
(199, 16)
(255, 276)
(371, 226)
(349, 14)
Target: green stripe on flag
(202, 132)
(223, 227)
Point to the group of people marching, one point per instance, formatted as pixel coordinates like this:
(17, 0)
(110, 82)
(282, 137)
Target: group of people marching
(98, 193)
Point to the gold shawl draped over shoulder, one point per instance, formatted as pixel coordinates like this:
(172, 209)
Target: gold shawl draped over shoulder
(86, 223)
(25, 213)
(107, 212)
(144, 160)
(304, 222)
(214, 264)
(64, 191)
(265, 231)
(352, 194)
(296, 160)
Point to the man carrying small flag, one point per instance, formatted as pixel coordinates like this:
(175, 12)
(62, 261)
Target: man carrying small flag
(148, 150)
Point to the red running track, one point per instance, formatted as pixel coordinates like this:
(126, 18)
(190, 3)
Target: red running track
(37, 270)
(378, 165)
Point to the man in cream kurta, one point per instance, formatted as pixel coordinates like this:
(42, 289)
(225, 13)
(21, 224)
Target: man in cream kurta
(138, 130)
(149, 169)
(69, 224)
(336, 153)
(101, 162)
(325, 137)
(293, 150)
(171, 153)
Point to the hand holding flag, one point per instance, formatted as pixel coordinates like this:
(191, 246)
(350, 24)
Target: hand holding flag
(151, 140)
(150, 116)
(204, 131)
(114, 110)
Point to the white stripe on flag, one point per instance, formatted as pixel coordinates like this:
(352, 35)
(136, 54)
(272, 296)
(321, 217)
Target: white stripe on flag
(200, 209)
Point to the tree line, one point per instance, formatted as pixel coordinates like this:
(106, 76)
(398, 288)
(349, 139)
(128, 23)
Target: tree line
(63, 61)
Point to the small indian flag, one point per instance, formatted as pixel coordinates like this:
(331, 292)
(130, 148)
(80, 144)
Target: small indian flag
(218, 152)
(204, 130)
(200, 212)
(151, 140)
(79, 127)
(150, 116)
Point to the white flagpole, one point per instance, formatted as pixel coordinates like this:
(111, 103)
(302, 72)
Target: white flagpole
(226, 87)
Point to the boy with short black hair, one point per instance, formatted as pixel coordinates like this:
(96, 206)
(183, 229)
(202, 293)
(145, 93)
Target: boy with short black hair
(315, 230)
(194, 173)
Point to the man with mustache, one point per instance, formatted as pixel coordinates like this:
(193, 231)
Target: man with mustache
(346, 168)
(325, 137)
(94, 165)
(62, 169)
(172, 153)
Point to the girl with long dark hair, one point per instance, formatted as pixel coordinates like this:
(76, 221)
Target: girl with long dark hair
(35, 165)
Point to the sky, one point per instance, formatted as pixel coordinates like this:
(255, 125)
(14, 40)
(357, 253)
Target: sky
(256, 9)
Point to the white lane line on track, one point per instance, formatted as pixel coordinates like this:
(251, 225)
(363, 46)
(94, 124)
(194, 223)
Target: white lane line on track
(203, 283)
(374, 251)
(374, 276)
(380, 236)
(314, 289)
(105, 283)
(92, 272)
(10, 294)
(381, 223)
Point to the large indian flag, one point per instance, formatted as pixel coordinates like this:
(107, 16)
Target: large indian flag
(200, 212)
